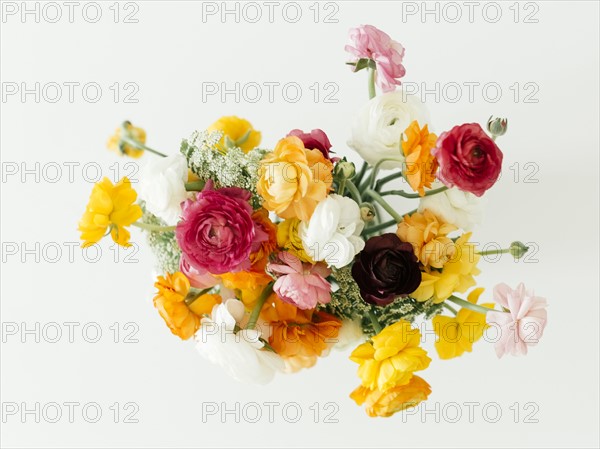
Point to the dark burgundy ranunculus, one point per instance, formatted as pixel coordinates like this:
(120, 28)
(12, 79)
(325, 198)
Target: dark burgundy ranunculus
(385, 269)
(315, 140)
(469, 159)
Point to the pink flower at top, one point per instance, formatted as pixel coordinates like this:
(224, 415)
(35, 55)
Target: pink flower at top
(371, 43)
(523, 325)
(300, 284)
(216, 231)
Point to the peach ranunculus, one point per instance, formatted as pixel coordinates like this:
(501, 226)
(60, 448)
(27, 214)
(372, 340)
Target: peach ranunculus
(299, 336)
(397, 399)
(182, 317)
(293, 179)
(265, 240)
(428, 235)
(421, 165)
(248, 285)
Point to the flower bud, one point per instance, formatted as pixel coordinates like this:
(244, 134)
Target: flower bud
(367, 212)
(518, 249)
(344, 170)
(497, 126)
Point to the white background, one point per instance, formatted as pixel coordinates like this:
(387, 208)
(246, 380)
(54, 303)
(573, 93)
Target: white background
(169, 53)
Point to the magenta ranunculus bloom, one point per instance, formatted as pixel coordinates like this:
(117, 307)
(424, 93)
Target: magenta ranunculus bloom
(314, 140)
(300, 284)
(469, 159)
(216, 231)
(371, 43)
(523, 325)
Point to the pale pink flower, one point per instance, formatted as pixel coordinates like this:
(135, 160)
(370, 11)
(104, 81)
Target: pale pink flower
(300, 284)
(371, 43)
(523, 324)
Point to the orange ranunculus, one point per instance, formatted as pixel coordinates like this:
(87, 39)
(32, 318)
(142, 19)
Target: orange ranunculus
(428, 236)
(293, 179)
(394, 400)
(421, 165)
(267, 243)
(182, 319)
(299, 335)
(248, 284)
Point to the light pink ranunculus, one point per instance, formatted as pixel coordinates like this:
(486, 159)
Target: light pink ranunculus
(216, 230)
(198, 279)
(371, 43)
(300, 284)
(523, 325)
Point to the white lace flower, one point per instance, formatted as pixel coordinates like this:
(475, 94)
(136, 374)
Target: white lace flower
(162, 186)
(240, 354)
(462, 209)
(379, 124)
(333, 232)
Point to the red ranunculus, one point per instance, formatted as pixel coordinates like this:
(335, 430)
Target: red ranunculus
(216, 231)
(315, 140)
(469, 159)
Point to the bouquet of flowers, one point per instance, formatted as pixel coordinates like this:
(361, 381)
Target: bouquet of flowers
(269, 258)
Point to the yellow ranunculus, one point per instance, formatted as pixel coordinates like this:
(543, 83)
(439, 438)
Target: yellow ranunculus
(396, 399)
(391, 358)
(133, 132)
(182, 319)
(421, 165)
(288, 239)
(456, 335)
(428, 235)
(109, 207)
(456, 276)
(239, 131)
(248, 284)
(294, 180)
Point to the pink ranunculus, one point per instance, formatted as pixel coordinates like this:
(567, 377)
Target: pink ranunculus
(371, 43)
(300, 284)
(469, 159)
(198, 279)
(315, 140)
(216, 230)
(523, 325)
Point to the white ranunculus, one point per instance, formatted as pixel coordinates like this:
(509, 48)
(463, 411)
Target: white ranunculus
(242, 354)
(333, 232)
(162, 186)
(462, 209)
(350, 333)
(380, 123)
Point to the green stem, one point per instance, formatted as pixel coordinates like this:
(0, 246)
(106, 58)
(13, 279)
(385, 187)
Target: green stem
(389, 209)
(469, 305)
(194, 186)
(194, 294)
(141, 146)
(361, 173)
(374, 321)
(404, 194)
(379, 184)
(379, 227)
(372, 91)
(153, 228)
(492, 252)
(259, 305)
(450, 308)
(371, 179)
(342, 186)
(354, 192)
